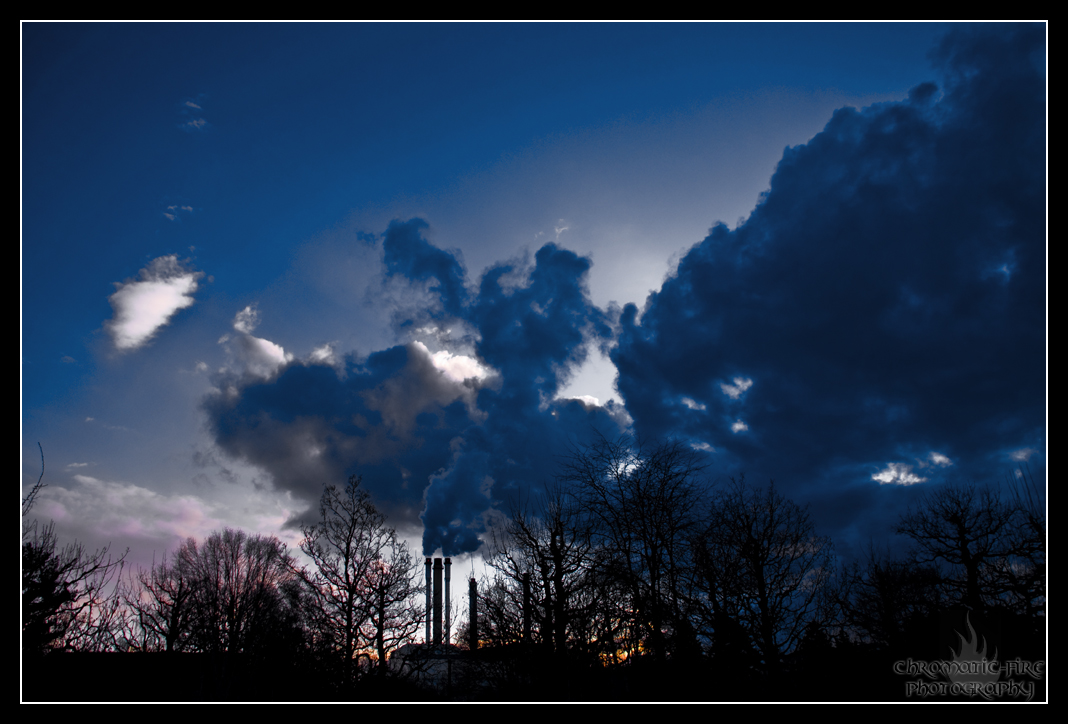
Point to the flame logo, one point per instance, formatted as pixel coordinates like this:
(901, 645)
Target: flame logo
(970, 667)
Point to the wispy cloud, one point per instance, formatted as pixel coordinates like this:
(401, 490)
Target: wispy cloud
(741, 384)
(144, 305)
(107, 510)
(197, 124)
(937, 459)
(897, 474)
(174, 211)
(186, 107)
(247, 319)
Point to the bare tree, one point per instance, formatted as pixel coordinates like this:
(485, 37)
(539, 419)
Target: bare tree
(70, 599)
(161, 604)
(391, 594)
(646, 502)
(364, 579)
(887, 594)
(31, 497)
(971, 530)
(550, 546)
(769, 570)
(239, 598)
(1023, 574)
(500, 611)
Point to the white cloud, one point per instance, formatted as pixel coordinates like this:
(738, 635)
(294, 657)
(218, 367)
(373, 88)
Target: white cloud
(588, 400)
(172, 211)
(456, 367)
(739, 426)
(704, 446)
(253, 355)
(325, 355)
(936, 458)
(741, 384)
(260, 357)
(1023, 454)
(143, 306)
(247, 319)
(691, 404)
(105, 510)
(897, 474)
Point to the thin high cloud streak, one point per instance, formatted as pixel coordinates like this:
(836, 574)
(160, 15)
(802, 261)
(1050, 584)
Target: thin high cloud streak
(885, 298)
(874, 326)
(145, 305)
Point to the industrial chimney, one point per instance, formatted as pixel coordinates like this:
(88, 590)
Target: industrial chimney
(448, 600)
(472, 629)
(429, 607)
(434, 601)
(437, 602)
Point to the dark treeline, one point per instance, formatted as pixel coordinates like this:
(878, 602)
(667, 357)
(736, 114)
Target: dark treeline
(634, 578)
(630, 578)
(231, 617)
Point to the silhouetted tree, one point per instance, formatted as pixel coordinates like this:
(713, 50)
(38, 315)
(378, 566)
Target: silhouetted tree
(767, 569)
(392, 597)
(365, 580)
(500, 611)
(974, 533)
(69, 595)
(551, 545)
(241, 593)
(888, 595)
(161, 604)
(1023, 574)
(646, 503)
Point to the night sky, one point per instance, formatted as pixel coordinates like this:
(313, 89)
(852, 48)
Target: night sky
(257, 259)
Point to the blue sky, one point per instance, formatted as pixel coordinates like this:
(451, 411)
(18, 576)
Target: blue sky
(257, 258)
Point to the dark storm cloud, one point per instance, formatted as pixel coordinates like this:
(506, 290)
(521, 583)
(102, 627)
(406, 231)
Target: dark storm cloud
(885, 299)
(390, 418)
(424, 440)
(877, 323)
(408, 254)
(534, 335)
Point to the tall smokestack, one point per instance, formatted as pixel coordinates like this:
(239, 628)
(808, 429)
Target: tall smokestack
(429, 606)
(449, 599)
(472, 618)
(437, 602)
